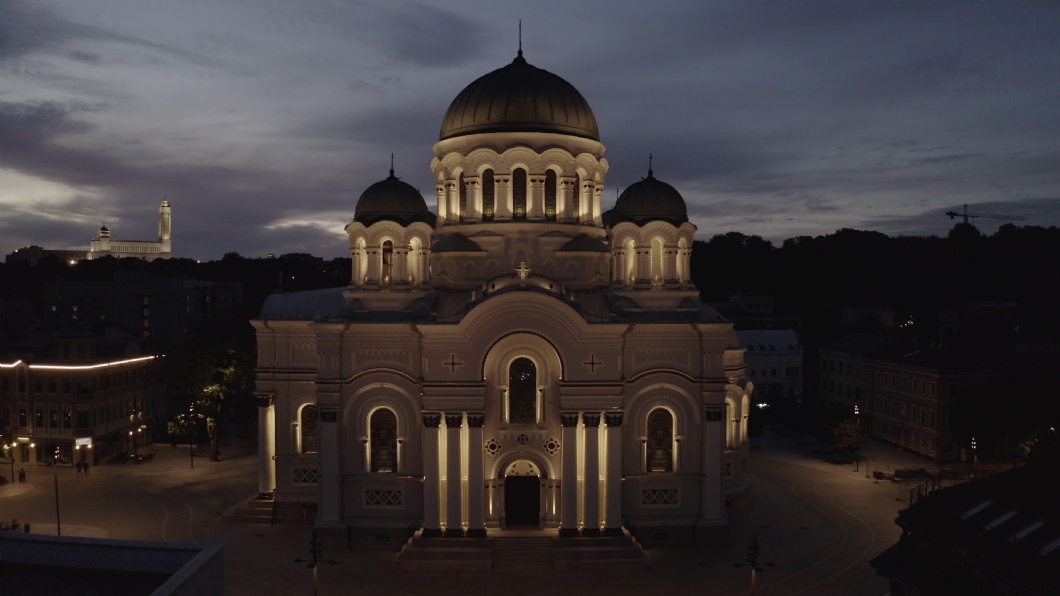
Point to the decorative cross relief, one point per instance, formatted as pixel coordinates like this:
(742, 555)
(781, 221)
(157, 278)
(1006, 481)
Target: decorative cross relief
(592, 363)
(453, 364)
(523, 271)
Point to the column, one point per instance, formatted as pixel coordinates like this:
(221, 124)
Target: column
(443, 212)
(502, 198)
(432, 506)
(535, 198)
(613, 498)
(592, 473)
(375, 263)
(476, 513)
(643, 264)
(452, 197)
(670, 264)
(357, 255)
(401, 265)
(266, 445)
(330, 489)
(712, 508)
(474, 198)
(564, 201)
(568, 507)
(454, 513)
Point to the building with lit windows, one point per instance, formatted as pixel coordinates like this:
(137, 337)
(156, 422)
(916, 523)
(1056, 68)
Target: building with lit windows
(518, 358)
(86, 397)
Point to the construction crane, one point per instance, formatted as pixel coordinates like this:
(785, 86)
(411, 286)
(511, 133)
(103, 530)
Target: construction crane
(969, 216)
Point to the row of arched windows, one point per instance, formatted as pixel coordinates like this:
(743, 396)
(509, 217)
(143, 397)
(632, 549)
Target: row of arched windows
(382, 437)
(651, 261)
(519, 196)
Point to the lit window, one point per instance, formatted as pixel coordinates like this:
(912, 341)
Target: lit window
(383, 439)
(660, 441)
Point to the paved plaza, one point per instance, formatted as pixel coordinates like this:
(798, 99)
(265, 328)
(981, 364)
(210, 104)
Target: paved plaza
(817, 522)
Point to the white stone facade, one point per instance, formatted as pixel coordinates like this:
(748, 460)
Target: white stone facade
(518, 363)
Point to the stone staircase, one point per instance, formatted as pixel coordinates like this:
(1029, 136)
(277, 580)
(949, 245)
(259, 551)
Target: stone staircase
(522, 553)
(271, 513)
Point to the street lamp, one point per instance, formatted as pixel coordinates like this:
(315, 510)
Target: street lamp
(975, 457)
(55, 469)
(857, 439)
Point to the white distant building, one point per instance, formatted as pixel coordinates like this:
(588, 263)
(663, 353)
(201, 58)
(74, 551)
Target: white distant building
(102, 245)
(519, 358)
(774, 361)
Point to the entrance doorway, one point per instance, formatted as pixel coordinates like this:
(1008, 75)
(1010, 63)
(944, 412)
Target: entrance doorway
(522, 501)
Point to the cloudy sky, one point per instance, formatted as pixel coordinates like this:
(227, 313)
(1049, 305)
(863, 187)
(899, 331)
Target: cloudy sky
(262, 121)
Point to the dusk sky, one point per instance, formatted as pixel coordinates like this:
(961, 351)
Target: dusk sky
(262, 121)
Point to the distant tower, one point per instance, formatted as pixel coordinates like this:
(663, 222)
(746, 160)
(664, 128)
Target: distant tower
(165, 227)
(104, 238)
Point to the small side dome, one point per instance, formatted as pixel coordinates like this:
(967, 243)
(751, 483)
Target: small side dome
(584, 243)
(455, 243)
(519, 98)
(392, 200)
(648, 200)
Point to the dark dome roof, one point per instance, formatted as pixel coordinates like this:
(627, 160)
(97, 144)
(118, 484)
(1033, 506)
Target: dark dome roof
(392, 200)
(455, 243)
(519, 98)
(648, 200)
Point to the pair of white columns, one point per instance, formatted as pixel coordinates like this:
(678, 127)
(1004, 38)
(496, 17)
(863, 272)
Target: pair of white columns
(591, 520)
(432, 487)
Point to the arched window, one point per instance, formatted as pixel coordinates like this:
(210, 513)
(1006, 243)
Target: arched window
(463, 197)
(519, 195)
(631, 261)
(657, 273)
(551, 187)
(660, 441)
(522, 392)
(576, 198)
(383, 441)
(387, 274)
(307, 429)
(489, 188)
(415, 261)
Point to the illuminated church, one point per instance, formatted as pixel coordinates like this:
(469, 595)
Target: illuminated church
(518, 358)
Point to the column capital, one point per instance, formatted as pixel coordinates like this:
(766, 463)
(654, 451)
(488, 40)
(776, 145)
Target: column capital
(432, 419)
(476, 419)
(453, 421)
(264, 400)
(714, 413)
(591, 419)
(569, 419)
(328, 413)
(613, 419)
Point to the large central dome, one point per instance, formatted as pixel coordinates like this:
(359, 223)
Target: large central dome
(519, 98)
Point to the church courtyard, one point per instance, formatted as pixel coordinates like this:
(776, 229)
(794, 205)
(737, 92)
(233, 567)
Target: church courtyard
(818, 523)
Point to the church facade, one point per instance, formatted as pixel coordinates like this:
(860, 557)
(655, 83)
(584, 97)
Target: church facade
(520, 358)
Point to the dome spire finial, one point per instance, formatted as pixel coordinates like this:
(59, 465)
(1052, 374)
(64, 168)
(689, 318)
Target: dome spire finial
(391, 165)
(520, 38)
(650, 173)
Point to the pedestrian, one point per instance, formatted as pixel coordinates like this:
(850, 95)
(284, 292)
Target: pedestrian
(78, 466)
(85, 467)
(21, 475)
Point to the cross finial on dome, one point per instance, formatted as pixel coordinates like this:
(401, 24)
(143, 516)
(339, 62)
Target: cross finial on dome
(520, 38)
(650, 173)
(391, 164)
